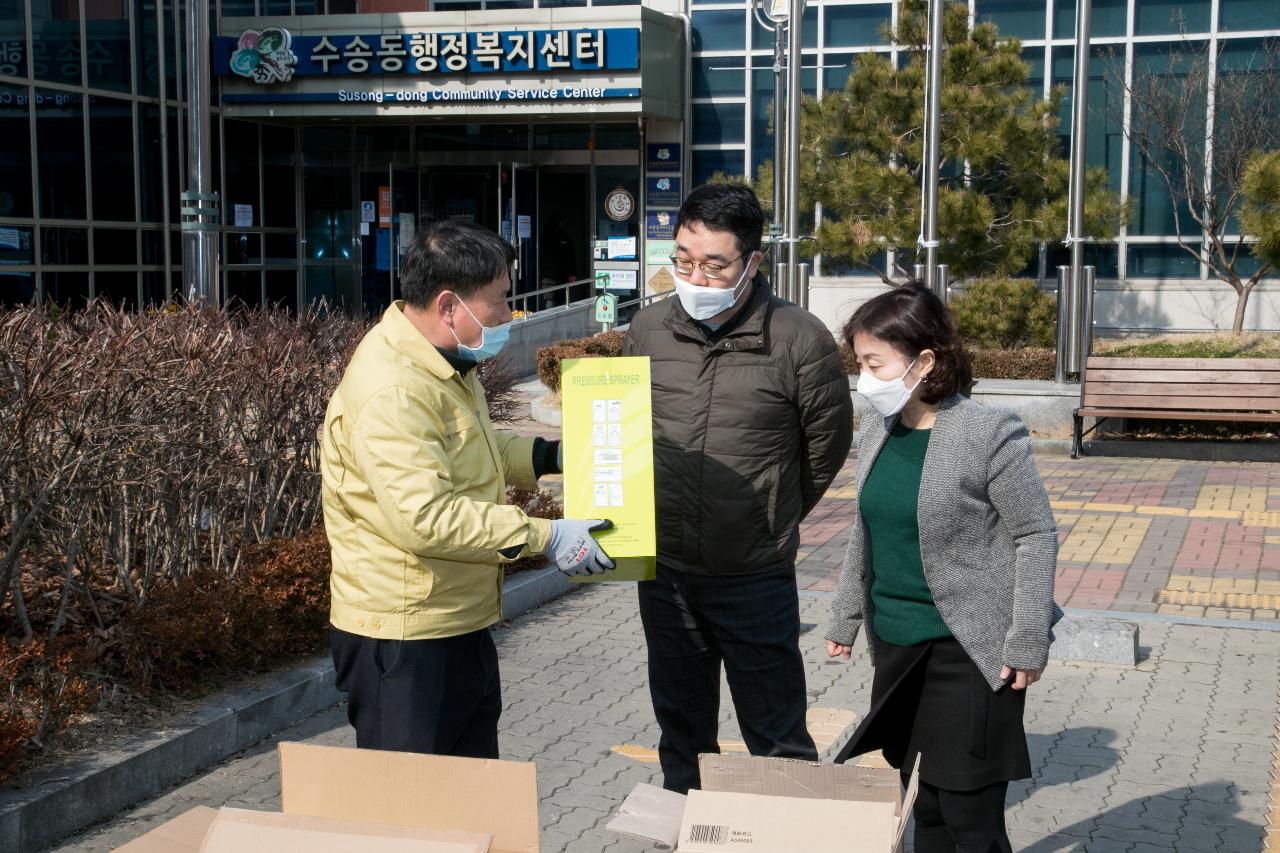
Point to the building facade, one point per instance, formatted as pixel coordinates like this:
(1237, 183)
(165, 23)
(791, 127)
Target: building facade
(572, 127)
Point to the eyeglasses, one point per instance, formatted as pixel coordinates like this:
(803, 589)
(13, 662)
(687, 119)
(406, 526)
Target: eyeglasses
(685, 266)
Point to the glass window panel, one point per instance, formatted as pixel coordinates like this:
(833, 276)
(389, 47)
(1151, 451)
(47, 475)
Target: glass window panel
(1034, 57)
(308, 7)
(55, 30)
(617, 137)
(1012, 17)
(244, 248)
(279, 181)
(707, 163)
(282, 289)
(716, 123)
(1154, 211)
(241, 169)
(244, 287)
(172, 46)
(150, 181)
(604, 3)
(855, 26)
(342, 7)
(718, 76)
(834, 266)
(107, 44)
(13, 38)
(153, 290)
(15, 246)
(383, 138)
(177, 167)
(722, 29)
(60, 154)
(558, 4)
(118, 288)
(17, 288)
(761, 118)
(762, 39)
(1248, 15)
(68, 289)
(1104, 257)
(15, 153)
(64, 245)
(147, 51)
(1162, 262)
(281, 248)
(153, 247)
(1158, 17)
(114, 247)
(555, 137)
(275, 7)
(334, 285)
(808, 73)
(239, 8)
(835, 79)
(1104, 139)
(1106, 18)
(111, 153)
(328, 205)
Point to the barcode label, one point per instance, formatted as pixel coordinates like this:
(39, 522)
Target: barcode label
(702, 833)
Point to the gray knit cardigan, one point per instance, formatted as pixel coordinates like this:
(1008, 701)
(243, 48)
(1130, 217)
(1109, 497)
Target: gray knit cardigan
(988, 539)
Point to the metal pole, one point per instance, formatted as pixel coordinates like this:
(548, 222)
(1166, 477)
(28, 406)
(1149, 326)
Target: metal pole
(1064, 319)
(942, 284)
(1075, 191)
(918, 270)
(932, 142)
(1086, 326)
(802, 286)
(795, 29)
(201, 214)
(775, 262)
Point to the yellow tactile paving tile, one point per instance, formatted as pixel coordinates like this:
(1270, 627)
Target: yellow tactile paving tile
(1103, 539)
(1240, 498)
(1230, 514)
(1161, 510)
(1271, 540)
(826, 726)
(1105, 507)
(1262, 519)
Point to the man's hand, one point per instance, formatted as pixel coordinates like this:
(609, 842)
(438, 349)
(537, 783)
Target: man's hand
(574, 550)
(1022, 678)
(838, 650)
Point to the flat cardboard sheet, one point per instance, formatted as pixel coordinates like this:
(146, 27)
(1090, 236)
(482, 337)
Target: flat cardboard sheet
(243, 831)
(608, 458)
(183, 834)
(785, 777)
(650, 813)
(405, 789)
(716, 821)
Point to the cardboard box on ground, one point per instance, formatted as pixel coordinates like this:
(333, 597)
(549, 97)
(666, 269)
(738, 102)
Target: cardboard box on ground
(370, 801)
(775, 805)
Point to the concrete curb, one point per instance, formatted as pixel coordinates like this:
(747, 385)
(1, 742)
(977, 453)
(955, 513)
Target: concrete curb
(57, 802)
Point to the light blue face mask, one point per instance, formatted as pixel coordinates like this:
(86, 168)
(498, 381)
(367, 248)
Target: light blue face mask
(492, 339)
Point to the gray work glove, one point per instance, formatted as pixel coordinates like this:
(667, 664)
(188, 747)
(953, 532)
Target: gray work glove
(574, 550)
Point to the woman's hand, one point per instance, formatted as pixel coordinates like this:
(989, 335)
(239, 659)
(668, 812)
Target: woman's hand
(1022, 678)
(836, 650)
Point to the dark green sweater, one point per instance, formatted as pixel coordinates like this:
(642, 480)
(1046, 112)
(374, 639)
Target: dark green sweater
(905, 613)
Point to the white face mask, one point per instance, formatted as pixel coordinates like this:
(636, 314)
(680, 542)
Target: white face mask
(703, 303)
(887, 396)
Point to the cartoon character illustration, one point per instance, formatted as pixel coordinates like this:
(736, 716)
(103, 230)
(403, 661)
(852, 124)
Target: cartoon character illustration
(265, 56)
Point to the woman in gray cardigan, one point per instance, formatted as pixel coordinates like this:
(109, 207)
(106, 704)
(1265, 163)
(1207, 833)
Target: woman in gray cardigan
(950, 566)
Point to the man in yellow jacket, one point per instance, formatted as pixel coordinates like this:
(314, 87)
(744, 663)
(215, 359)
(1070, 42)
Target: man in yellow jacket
(414, 485)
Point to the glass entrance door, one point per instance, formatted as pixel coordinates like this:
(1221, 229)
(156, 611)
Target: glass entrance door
(518, 185)
(329, 241)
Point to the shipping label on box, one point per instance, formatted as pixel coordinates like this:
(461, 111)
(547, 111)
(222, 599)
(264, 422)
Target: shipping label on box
(608, 458)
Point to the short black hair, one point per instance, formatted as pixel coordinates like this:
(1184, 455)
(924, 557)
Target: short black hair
(452, 254)
(911, 318)
(725, 207)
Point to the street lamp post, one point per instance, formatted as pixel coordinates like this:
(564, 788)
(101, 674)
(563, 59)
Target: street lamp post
(776, 12)
(795, 30)
(932, 154)
(1076, 334)
(201, 215)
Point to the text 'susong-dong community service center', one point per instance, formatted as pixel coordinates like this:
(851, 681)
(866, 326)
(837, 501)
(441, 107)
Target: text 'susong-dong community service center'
(572, 127)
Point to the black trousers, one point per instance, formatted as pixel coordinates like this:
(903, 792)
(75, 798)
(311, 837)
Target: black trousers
(960, 821)
(751, 623)
(442, 697)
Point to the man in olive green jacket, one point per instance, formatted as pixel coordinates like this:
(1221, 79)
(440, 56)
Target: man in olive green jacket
(414, 485)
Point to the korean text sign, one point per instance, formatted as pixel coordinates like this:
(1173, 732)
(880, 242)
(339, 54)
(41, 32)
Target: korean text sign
(608, 457)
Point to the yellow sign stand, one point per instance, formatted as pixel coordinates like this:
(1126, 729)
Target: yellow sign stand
(608, 458)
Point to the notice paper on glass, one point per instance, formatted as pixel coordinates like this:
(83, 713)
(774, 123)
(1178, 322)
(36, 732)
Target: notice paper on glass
(608, 458)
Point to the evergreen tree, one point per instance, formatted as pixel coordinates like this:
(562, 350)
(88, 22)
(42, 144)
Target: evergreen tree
(1003, 188)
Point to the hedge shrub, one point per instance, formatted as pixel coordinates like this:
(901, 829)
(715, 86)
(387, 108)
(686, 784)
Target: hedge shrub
(603, 345)
(994, 313)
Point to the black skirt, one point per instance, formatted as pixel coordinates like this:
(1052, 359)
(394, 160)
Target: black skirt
(930, 700)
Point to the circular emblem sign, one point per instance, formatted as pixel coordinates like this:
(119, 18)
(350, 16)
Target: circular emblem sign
(619, 205)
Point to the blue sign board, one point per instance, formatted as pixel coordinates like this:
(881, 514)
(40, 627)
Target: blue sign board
(419, 97)
(662, 192)
(273, 55)
(663, 156)
(660, 225)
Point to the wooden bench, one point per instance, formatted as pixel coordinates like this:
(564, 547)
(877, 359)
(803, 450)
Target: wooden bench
(1194, 389)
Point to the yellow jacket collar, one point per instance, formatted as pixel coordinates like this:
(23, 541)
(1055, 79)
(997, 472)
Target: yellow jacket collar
(405, 338)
